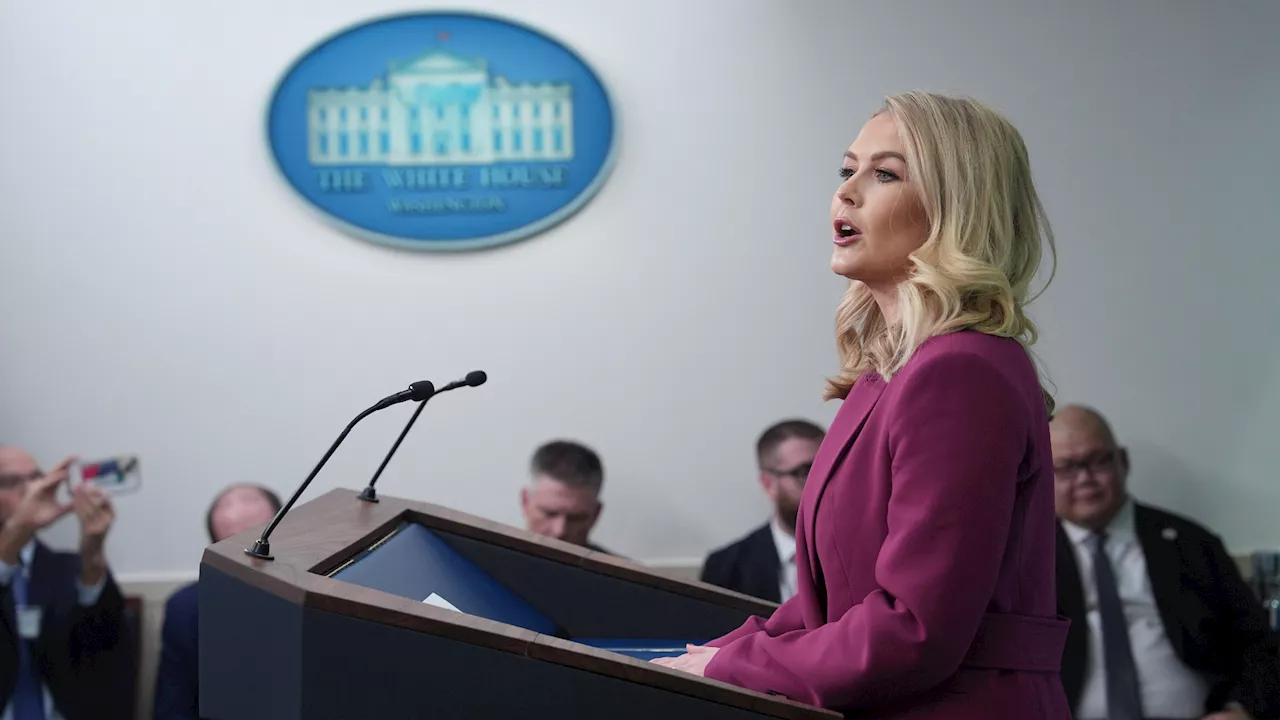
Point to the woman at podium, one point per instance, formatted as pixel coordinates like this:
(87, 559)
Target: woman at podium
(925, 538)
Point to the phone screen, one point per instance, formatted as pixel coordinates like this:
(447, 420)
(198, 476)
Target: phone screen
(114, 475)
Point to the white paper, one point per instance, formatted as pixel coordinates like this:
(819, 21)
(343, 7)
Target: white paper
(438, 601)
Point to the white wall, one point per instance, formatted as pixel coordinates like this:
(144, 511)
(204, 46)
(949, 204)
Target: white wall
(165, 293)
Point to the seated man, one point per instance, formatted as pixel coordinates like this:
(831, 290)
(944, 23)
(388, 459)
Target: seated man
(235, 510)
(763, 563)
(65, 652)
(1162, 624)
(563, 500)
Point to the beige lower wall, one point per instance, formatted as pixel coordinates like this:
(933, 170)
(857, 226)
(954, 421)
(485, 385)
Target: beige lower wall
(154, 592)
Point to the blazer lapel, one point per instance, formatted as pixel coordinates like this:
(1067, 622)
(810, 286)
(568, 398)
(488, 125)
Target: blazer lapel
(849, 421)
(1164, 569)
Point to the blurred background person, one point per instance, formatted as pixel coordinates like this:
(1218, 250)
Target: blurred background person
(562, 499)
(177, 693)
(1162, 623)
(763, 563)
(66, 652)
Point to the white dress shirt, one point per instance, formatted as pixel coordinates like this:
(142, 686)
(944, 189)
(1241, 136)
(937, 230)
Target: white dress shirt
(87, 596)
(1169, 688)
(786, 544)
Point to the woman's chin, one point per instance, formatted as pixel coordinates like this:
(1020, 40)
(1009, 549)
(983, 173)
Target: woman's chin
(844, 262)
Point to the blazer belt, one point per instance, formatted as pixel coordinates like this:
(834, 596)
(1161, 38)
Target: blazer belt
(1018, 642)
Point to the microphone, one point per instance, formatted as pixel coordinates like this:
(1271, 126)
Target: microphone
(475, 378)
(418, 391)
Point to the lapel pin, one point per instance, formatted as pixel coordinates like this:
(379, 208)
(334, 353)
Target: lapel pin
(1169, 534)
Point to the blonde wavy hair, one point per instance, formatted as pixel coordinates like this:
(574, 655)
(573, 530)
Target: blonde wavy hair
(986, 229)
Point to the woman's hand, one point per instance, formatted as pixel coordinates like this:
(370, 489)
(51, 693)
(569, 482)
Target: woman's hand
(694, 661)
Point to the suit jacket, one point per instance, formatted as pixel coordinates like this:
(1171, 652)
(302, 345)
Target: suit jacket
(84, 655)
(925, 543)
(178, 676)
(749, 566)
(1213, 620)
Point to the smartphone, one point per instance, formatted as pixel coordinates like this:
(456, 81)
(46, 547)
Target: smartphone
(115, 475)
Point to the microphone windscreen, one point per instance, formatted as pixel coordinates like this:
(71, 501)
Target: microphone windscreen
(421, 390)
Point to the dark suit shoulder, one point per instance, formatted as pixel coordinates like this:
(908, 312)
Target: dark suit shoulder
(729, 560)
(761, 537)
(748, 565)
(1149, 517)
(184, 598)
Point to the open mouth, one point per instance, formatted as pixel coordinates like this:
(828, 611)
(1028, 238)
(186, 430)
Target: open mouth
(846, 229)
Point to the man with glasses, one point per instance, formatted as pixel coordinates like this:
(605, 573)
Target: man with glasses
(1162, 624)
(64, 651)
(763, 564)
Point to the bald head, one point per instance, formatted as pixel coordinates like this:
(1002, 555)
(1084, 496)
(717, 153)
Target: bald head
(13, 457)
(1089, 469)
(1082, 419)
(239, 508)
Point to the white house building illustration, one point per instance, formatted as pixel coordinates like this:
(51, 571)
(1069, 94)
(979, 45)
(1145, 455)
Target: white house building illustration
(440, 109)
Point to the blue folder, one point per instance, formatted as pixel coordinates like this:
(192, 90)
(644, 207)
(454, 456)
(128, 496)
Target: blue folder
(416, 563)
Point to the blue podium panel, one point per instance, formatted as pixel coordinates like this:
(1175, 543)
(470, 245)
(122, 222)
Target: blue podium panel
(641, 648)
(263, 657)
(415, 563)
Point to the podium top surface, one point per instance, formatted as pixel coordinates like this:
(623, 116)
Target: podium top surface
(320, 538)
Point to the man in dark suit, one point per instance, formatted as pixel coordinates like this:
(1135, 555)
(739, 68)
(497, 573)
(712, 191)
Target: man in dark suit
(1163, 625)
(235, 510)
(763, 563)
(64, 652)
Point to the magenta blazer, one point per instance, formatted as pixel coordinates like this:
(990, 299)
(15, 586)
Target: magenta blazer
(925, 551)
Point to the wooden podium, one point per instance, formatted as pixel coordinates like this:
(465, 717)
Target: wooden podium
(401, 609)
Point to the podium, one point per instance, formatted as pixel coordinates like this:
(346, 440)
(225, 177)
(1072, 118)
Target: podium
(402, 609)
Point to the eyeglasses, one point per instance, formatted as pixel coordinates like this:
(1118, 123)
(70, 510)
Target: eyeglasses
(1096, 464)
(14, 480)
(799, 473)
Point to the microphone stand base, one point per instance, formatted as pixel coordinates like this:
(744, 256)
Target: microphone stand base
(260, 550)
(368, 494)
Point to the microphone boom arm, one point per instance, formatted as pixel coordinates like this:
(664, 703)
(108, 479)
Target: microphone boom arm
(475, 378)
(371, 495)
(421, 391)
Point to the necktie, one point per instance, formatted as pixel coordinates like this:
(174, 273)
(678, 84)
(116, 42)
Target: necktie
(1124, 701)
(28, 697)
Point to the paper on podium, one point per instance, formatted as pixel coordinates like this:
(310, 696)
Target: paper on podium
(434, 599)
